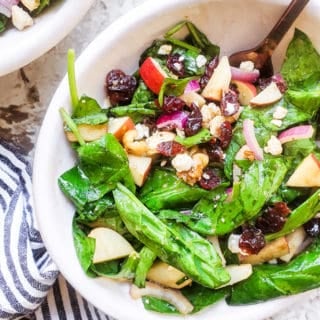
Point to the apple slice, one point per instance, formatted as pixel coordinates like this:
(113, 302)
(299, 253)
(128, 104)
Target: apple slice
(307, 174)
(219, 81)
(140, 168)
(119, 126)
(193, 97)
(168, 276)
(247, 91)
(295, 243)
(273, 250)
(269, 95)
(88, 132)
(110, 245)
(238, 273)
(152, 74)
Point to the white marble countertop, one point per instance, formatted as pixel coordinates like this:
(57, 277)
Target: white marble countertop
(25, 95)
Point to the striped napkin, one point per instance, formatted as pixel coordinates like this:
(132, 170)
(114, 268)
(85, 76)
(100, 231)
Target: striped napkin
(30, 285)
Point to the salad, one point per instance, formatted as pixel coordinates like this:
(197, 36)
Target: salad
(20, 12)
(200, 180)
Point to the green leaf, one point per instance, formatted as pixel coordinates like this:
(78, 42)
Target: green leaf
(174, 244)
(202, 136)
(3, 22)
(147, 257)
(299, 216)
(271, 281)
(164, 190)
(142, 94)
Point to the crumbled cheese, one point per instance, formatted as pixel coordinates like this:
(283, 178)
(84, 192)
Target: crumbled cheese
(280, 113)
(142, 131)
(31, 4)
(21, 18)
(276, 122)
(177, 66)
(247, 66)
(273, 261)
(215, 125)
(182, 162)
(165, 49)
(201, 60)
(233, 243)
(274, 146)
(208, 112)
(180, 133)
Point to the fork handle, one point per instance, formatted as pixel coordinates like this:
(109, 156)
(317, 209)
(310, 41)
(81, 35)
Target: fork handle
(283, 24)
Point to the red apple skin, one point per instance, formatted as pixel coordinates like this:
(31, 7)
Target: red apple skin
(152, 74)
(246, 91)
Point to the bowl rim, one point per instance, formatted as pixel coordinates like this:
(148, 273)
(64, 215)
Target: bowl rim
(50, 27)
(133, 17)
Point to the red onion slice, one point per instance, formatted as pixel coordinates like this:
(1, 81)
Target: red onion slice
(192, 86)
(243, 75)
(6, 5)
(251, 140)
(173, 120)
(296, 133)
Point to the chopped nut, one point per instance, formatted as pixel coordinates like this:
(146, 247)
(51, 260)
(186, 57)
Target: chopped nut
(274, 146)
(21, 18)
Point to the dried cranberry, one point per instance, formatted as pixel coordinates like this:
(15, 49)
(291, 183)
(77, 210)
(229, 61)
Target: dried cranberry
(210, 66)
(214, 151)
(273, 218)
(120, 87)
(312, 227)
(175, 64)
(194, 121)
(251, 240)
(209, 179)
(172, 104)
(277, 79)
(225, 135)
(170, 148)
(229, 103)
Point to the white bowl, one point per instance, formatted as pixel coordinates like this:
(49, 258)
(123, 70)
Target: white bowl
(18, 48)
(234, 25)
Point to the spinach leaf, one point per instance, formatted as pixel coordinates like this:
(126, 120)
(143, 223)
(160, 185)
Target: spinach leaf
(105, 162)
(299, 216)
(301, 70)
(164, 190)
(199, 296)
(117, 269)
(172, 243)
(137, 111)
(255, 188)
(88, 111)
(142, 94)
(271, 281)
(84, 247)
(3, 22)
(147, 257)
(202, 136)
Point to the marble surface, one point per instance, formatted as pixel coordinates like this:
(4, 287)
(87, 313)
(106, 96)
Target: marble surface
(26, 93)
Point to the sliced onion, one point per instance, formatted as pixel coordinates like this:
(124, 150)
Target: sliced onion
(192, 86)
(243, 75)
(174, 297)
(6, 6)
(296, 133)
(251, 140)
(173, 120)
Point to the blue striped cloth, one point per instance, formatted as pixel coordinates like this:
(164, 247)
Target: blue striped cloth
(30, 285)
